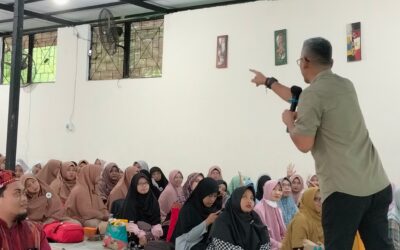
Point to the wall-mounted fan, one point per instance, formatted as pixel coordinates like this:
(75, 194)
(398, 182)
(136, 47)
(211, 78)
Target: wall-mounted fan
(108, 31)
(25, 62)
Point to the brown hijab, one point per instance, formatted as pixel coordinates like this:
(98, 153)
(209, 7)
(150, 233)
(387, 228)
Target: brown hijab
(62, 186)
(49, 171)
(121, 189)
(106, 184)
(45, 205)
(306, 224)
(84, 202)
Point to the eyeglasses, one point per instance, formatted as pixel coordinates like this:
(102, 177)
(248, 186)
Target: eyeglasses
(298, 61)
(317, 199)
(142, 184)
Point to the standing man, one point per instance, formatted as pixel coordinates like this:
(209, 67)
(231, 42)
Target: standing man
(16, 233)
(355, 188)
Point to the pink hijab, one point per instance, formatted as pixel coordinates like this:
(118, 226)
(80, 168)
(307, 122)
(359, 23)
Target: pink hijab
(271, 216)
(172, 193)
(215, 168)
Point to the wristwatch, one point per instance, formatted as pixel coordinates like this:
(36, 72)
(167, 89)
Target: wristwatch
(270, 81)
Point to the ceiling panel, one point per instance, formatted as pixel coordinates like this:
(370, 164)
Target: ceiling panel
(120, 10)
(28, 24)
(6, 14)
(184, 3)
(50, 6)
(6, 1)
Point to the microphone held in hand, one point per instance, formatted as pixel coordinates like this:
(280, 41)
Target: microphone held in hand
(296, 91)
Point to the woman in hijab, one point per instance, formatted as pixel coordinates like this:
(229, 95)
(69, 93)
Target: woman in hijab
(2, 162)
(215, 173)
(141, 206)
(49, 172)
(20, 168)
(394, 221)
(312, 181)
(270, 213)
(158, 178)
(121, 188)
(196, 217)
(260, 187)
(109, 178)
(153, 188)
(238, 226)
(65, 181)
(239, 181)
(84, 203)
(35, 169)
(191, 183)
(99, 162)
(297, 187)
(44, 205)
(172, 195)
(141, 165)
(306, 224)
(286, 203)
(223, 194)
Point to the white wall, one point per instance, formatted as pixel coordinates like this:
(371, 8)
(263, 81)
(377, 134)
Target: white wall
(197, 115)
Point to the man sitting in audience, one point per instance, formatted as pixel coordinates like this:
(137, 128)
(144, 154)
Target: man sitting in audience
(15, 231)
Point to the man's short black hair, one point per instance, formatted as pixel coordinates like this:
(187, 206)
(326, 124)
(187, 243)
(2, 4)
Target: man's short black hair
(318, 50)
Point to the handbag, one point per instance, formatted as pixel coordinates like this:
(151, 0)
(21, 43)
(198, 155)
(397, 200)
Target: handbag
(64, 232)
(116, 236)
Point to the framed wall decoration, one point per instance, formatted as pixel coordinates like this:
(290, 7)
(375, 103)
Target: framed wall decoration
(222, 52)
(280, 47)
(353, 35)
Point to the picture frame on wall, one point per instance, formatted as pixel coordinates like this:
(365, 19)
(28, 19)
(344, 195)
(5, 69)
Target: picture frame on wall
(353, 36)
(280, 42)
(222, 52)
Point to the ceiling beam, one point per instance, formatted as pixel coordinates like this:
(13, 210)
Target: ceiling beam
(213, 5)
(99, 6)
(38, 15)
(143, 4)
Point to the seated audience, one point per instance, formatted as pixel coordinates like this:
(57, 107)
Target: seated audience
(191, 183)
(312, 181)
(121, 188)
(270, 213)
(297, 187)
(260, 187)
(49, 172)
(44, 205)
(65, 181)
(286, 203)
(238, 226)
(16, 232)
(141, 209)
(158, 178)
(20, 168)
(84, 203)
(223, 194)
(306, 224)
(172, 195)
(109, 178)
(215, 173)
(196, 217)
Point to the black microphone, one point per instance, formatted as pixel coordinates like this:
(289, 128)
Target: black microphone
(296, 91)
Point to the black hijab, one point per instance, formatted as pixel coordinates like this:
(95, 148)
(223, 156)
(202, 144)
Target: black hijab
(238, 228)
(141, 207)
(219, 200)
(161, 183)
(153, 188)
(193, 211)
(260, 186)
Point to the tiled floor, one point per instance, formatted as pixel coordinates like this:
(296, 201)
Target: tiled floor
(87, 245)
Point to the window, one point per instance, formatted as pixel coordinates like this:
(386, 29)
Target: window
(137, 55)
(38, 58)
